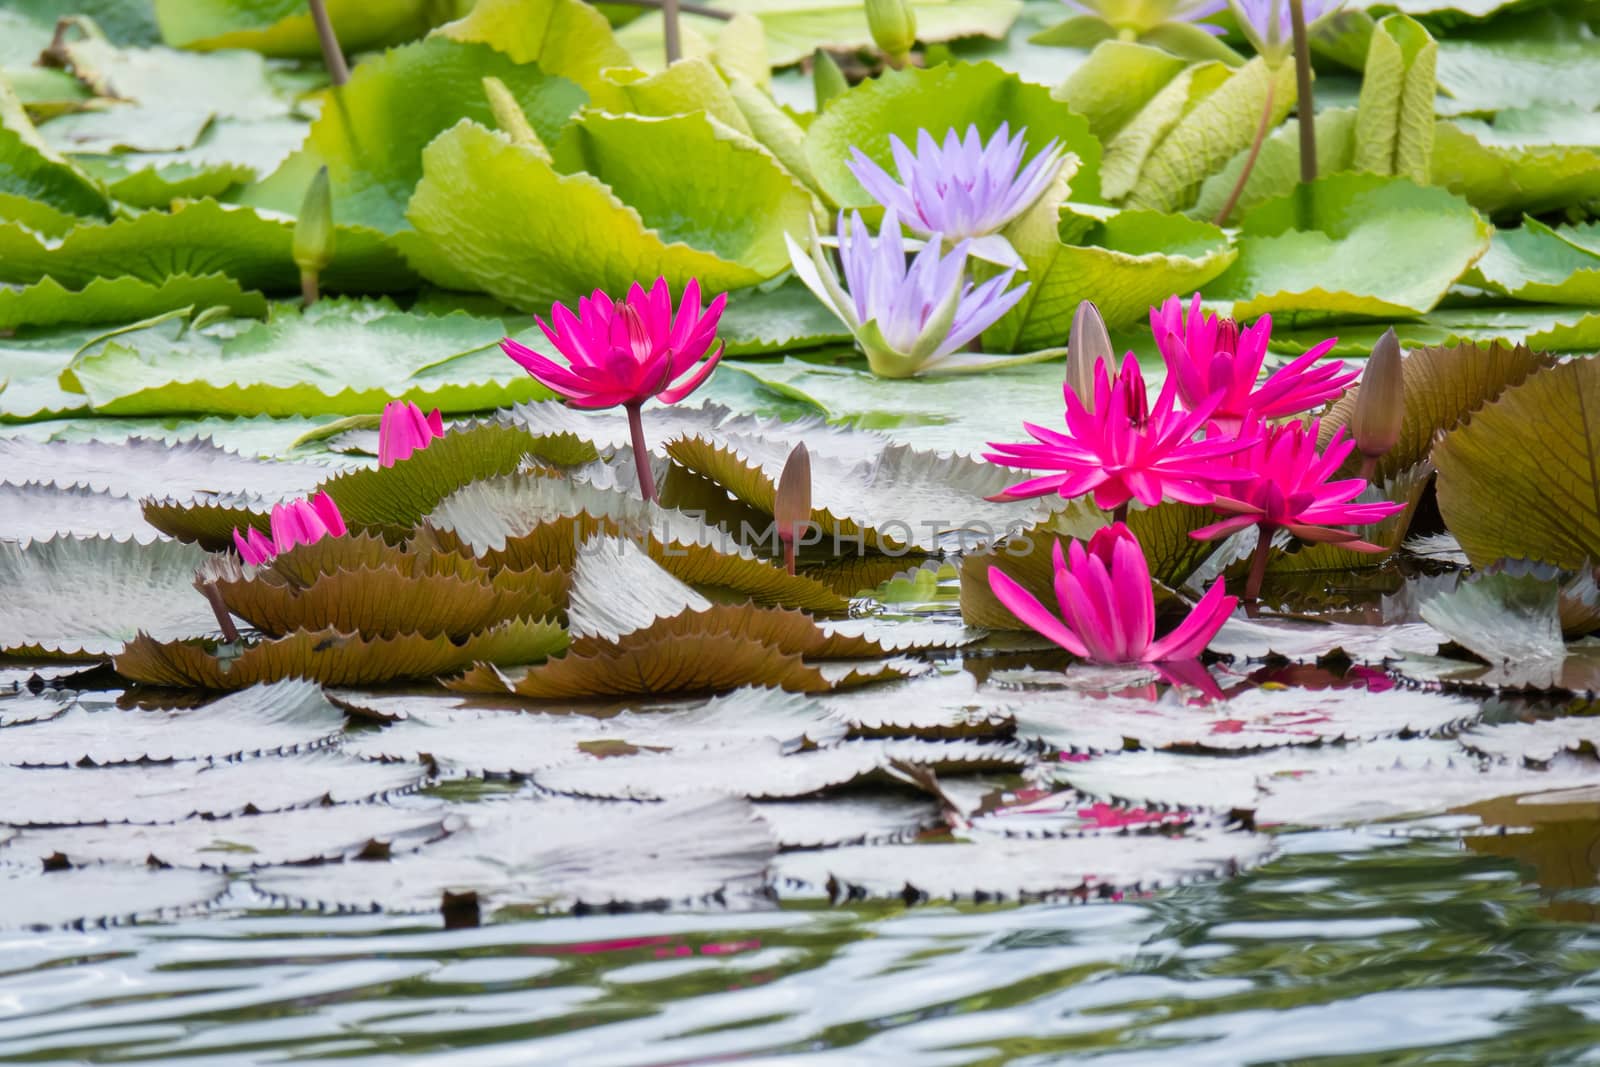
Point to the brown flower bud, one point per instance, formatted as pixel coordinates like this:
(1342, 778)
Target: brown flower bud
(791, 507)
(1381, 400)
(1087, 344)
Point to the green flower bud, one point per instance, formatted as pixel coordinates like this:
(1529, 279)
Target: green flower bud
(313, 234)
(827, 80)
(1381, 401)
(894, 28)
(1087, 344)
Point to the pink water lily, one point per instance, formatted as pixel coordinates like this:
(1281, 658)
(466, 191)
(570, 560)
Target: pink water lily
(1292, 486)
(1107, 604)
(1207, 355)
(300, 522)
(404, 429)
(626, 352)
(1123, 450)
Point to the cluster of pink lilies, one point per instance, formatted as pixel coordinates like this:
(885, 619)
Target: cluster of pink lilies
(1217, 436)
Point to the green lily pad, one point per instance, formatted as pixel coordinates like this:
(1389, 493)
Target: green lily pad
(1115, 83)
(49, 303)
(1394, 122)
(281, 367)
(30, 170)
(203, 237)
(1544, 329)
(1352, 244)
(1534, 160)
(370, 135)
(942, 98)
(284, 27)
(130, 180)
(500, 214)
(761, 321)
(1518, 479)
(1125, 262)
(565, 38)
(796, 28)
(1277, 169)
(1499, 67)
(1540, 265)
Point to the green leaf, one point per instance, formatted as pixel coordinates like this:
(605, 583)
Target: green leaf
(31, 170)
(796, 28)
(1277, 169)
(49, 303)
(1125, 263)
(1368, 246)
(284, 27)
(1518, 64)
(1534, 160)
(372, 135)
(565, 38)
(81, 598)
(1211, 132)
(761, 321)
(1519, 479)
(503, 217)
(688, 85)
(1543, 329)
(282, 367)
(1128, 152)
(938, 99)
(203, 237)
(1115, 83)
(1394, 122)
(1540, 265)
(139, 185)
(1442, 387)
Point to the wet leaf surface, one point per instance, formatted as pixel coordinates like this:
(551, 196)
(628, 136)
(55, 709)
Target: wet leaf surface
(141, 467)
(284, 717)
(42, 512)
(848, 820)
(37, 899)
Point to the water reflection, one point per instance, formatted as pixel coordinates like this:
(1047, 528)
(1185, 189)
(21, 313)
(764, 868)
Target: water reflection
(1355, 947)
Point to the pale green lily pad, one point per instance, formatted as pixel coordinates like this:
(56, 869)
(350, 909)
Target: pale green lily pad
(940, 99)
(1499, 67)
(796, 28)
(1125, 262)
(784, 319)
(132, 182)
(1550, 329)
(371, 137)
(283, 368)
(1540, 265)
(565, 38)
(1368, 246)
(1533, 160)
(1116, 82)
(203, 237)
(284, 27)
(500, 215)
(48, 303)
(31, 170)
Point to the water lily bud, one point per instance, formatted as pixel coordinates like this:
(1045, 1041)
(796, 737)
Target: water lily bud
(791, 507)
(313, 234)
(1087, 344)
(1381, 401)
(827, 80)
(894, 28)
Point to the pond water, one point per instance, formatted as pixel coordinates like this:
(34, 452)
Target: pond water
(1401, 945)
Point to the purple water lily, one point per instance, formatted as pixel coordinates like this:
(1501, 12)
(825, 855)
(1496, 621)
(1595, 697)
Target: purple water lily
(1266, 24)
(964, 189)
(912, 319)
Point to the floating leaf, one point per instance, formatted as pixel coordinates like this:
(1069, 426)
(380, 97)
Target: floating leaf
(597, 854)
(1488, 71)
(41, 512)
(168, 792)
(501, 216)
(1535, 159)
(1442, 387)
(1304, 641)
(48, 303)
(241, 842)
(33, 172)
(281, 367)
(1276, 170)
(1353, 244)
(333, 658)
(1513, 620)
(268, 719)
(848, 820)
(1536, 743)
(987, 867)
(937, 99)
(1115, 83)
(1539, 264)
(279, 28)
(81, 598)
(763, 770)
(1519, 479)
(39, 900)
(759, 321)
(564, 37)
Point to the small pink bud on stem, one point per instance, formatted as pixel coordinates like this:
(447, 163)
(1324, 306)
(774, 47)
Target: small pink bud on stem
(1380, 404)
(791, 509)
(1088, 342)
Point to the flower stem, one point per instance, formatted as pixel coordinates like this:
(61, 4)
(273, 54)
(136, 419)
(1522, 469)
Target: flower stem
(671, 31)
(1369, 465)
(230, 632)
(1255, 152)
(789, 555)
(641, 453)
(1258, 565)
(332, 54)
(1305, 106)
(309, 290)
(1120, 513)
